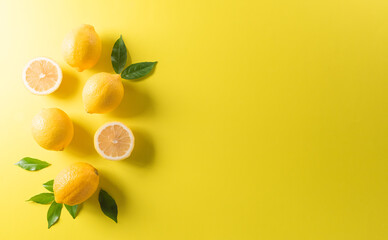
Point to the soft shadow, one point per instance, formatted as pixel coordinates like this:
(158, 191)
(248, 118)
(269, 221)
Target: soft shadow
(113, 190)
(134, 102)
(144, 151)
(69, 85)
(82, 143)
(104, 64)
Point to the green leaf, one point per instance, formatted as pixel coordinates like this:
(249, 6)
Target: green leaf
(54, 213)
(72, 210)
(43, 198)
(119, 55)
(49, 185)
(108, 205)
(32, 164)
(137, 70)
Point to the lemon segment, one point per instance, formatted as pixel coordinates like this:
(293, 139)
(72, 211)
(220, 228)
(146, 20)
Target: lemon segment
(114, 141)
(42, 76)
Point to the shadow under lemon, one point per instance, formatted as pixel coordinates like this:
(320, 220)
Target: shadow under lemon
(135, 102)
(144, 151)
(69, 85)
(83, 142)
(104, 64)
(113, 189)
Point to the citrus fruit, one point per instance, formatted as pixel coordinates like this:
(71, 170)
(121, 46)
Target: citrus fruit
(52, 129)
(81, 47)
(75, 183)
(42, 76)
(102, 93)
(114, 141)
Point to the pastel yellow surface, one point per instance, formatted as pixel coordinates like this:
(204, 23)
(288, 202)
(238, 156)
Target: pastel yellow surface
(262, 120)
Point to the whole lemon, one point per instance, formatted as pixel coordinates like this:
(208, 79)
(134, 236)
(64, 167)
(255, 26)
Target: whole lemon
(76, 183)
(102, 93)
(81, 47)
(52, 129)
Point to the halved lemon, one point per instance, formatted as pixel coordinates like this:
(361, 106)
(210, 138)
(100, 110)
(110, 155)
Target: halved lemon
(114, 141)
(42, 76)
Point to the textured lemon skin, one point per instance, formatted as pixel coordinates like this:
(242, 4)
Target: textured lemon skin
(102, 93)
(81, 47)
(76, 183)
(52, 129)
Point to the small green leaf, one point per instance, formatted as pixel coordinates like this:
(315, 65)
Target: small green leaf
(43, 198)
(32, 164)
(72, 210)
(137, 70)
(54, 213)
(108, 205)
(119, 55)
(49, 185)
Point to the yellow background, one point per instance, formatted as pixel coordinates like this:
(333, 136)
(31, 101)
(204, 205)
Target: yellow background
(263, 119)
